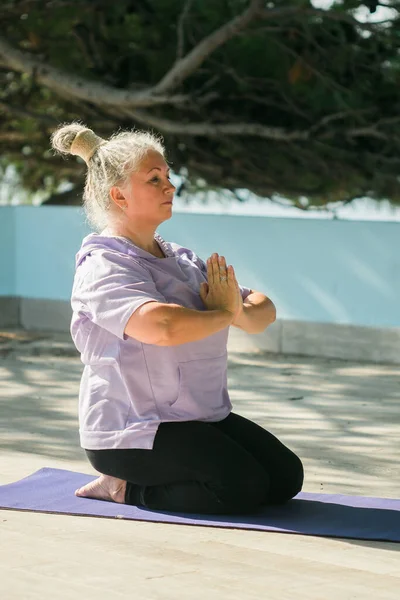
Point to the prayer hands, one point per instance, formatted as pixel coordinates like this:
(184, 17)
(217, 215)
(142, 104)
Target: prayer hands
(222, 290)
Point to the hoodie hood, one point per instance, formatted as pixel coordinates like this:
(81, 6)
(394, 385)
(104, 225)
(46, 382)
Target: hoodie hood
(105, 241)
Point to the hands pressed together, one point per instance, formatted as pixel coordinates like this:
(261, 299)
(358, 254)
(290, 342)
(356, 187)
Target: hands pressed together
(222, 291)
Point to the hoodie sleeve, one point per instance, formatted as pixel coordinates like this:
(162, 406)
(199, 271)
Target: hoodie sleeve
(111, 288)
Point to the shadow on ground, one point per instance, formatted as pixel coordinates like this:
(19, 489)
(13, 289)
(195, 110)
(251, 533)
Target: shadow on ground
(39, 405)
(341, 418)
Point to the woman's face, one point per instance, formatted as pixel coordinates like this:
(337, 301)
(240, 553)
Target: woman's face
(149, 193)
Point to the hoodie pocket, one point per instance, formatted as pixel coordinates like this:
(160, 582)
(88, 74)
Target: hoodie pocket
(202, 388)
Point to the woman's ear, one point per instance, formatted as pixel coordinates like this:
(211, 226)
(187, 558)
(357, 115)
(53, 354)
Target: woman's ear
(118, 197)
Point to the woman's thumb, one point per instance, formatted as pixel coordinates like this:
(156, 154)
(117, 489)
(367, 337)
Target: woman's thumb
(203, 289)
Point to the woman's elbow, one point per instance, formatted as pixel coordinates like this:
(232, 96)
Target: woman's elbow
(270, 316)
(273, 313)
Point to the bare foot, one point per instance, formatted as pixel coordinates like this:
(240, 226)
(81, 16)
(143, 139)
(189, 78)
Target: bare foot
(104, 488)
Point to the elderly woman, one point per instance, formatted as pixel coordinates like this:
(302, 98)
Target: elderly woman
(151, 322)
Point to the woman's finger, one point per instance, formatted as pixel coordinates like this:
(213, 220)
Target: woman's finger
(222, 269)
(215, 265)
(210, 271)
(235, 279)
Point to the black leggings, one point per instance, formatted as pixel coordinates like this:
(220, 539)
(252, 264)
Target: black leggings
(229, 467)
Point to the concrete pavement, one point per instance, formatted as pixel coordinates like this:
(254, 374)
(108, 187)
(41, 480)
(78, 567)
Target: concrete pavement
(342, 418)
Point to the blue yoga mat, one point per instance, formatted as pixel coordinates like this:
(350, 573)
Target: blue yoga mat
(357, 517)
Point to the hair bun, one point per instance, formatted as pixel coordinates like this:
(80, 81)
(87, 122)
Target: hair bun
(77, 139)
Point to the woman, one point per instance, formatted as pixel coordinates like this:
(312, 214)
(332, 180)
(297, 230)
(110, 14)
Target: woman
(151, 322)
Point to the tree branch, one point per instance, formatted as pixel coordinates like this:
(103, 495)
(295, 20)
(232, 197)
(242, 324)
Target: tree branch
(333, 15)
(78, 87)
(215, 130)
(27, 5)
(279, 134)
(52, 122)
(180, 29)
(329, 118)
(16, 136)
(186, 66)
(367, 132)
(23, 113)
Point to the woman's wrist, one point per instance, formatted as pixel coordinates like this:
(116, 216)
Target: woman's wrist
(241, 319)
(229, 315)
(256, 317)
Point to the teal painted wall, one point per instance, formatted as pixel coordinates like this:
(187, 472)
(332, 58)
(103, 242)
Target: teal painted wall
(7, 251)
(317, 270)
(46, 241)
(326, 271)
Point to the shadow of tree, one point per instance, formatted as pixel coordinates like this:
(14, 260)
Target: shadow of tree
(39, 405)
(341, 418)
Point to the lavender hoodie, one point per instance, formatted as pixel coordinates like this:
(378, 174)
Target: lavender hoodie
(127, 387)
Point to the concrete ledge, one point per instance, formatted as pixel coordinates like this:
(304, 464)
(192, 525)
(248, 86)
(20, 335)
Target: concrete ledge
(380, 345)
(328, 340)
(269, 341)
(9, 311)
(54, 315)
(348, 342)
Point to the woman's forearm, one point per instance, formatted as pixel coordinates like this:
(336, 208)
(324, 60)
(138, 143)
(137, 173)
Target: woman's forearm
(258, 312)
(186, 325)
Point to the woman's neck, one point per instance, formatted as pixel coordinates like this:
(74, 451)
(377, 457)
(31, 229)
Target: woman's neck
(143, 240)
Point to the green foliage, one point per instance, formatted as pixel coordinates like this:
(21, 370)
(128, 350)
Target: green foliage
(312, 72)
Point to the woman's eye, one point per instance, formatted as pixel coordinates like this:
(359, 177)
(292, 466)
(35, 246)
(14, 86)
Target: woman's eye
(157, 179)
